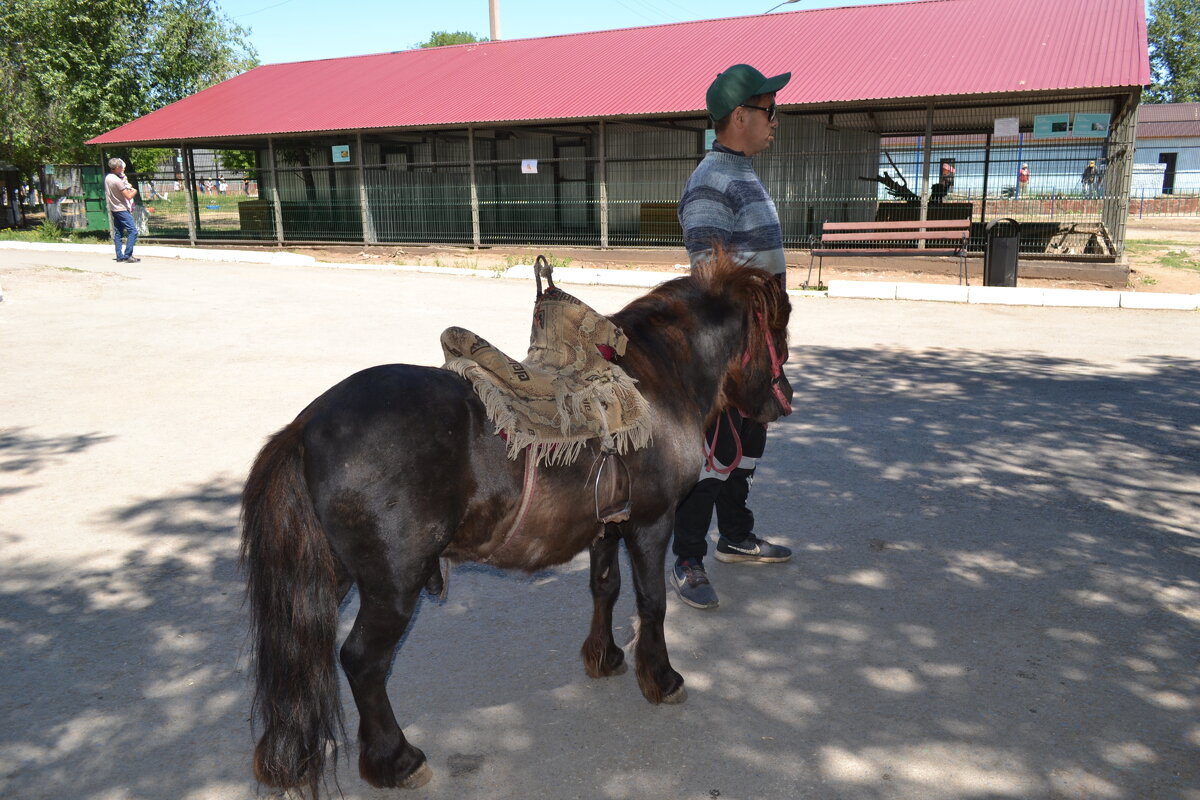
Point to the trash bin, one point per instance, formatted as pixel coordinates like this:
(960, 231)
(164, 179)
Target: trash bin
(1001, 243)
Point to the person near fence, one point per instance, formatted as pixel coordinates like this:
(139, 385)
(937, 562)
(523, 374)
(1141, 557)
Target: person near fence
(1088, 179)
(119, 194)
(725, 204)
(1022, 180)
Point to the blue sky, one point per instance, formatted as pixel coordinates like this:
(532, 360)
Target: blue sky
(297, 30)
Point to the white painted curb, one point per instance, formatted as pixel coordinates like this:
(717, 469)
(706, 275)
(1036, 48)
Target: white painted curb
(938, 292)
(863, 290)
(606, 277)
(1080, 298)
(279, 259)
(1004, 295)
(1158, 301)
(859, 290)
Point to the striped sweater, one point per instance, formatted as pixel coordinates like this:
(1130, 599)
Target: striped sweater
(724, 202)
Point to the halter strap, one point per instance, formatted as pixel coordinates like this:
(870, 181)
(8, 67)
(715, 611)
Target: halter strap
(710, 461)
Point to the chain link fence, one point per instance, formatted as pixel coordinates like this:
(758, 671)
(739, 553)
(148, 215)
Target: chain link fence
(617, 183)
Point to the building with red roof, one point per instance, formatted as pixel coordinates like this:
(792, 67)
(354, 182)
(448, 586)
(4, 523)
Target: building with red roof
(587, 139)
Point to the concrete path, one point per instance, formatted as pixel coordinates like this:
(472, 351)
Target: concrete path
(994, 508)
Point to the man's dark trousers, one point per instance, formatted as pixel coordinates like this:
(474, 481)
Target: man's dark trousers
(728, 494)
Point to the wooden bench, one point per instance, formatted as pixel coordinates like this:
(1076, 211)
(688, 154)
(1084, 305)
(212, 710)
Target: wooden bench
(867, 239)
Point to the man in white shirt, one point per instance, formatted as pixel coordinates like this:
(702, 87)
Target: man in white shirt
(119, 193)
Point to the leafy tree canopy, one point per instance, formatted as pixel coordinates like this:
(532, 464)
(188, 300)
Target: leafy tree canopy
(443, 38)
(1174, 51)
(72, 69)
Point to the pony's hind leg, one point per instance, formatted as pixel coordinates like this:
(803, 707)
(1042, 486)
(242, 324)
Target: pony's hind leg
(601, 656)
(386, 759)
(656, 678)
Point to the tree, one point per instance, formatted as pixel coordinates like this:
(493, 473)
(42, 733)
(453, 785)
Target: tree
(1174, 51)
(72, 69)
(443, 38)
(243, 161)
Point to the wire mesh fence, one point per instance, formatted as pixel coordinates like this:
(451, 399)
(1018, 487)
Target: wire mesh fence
(617, 183)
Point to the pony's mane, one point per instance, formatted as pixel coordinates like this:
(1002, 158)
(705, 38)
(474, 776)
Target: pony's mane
(718, 276)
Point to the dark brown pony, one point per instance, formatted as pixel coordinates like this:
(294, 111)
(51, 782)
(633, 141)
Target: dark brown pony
(398, 466)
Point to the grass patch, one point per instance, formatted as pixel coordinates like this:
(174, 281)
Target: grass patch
(1178, 255)
(70, 269)
(1180, 259)
(49, 232)
(1147, 245)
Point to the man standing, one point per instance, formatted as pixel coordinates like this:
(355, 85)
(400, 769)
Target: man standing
(725, 204)
(120, 193)
(1089, 179)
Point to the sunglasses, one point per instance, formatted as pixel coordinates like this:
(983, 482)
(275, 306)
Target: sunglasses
(771, 110)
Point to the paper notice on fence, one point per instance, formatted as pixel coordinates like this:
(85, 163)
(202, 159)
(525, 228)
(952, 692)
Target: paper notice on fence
(529, 166)
(1008, 126)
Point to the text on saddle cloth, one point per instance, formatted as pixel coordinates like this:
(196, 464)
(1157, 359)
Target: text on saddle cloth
(566, 391)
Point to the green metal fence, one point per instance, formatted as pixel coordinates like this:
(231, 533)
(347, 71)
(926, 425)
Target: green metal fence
(616, 184)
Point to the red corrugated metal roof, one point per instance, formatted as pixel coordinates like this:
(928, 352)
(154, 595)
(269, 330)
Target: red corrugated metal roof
(1168, 121)
(921, 49)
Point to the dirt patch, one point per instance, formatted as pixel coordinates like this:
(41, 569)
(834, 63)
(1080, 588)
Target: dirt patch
(1163, 253)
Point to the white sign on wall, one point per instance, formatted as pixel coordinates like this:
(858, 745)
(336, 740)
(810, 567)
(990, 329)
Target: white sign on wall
(1147, 178)
(529, 166)
(1008, 126)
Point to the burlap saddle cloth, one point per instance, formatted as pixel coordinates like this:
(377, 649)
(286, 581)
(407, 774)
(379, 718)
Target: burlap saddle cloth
(566, 391)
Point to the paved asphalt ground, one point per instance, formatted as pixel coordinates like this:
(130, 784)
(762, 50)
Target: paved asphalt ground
(995, 512)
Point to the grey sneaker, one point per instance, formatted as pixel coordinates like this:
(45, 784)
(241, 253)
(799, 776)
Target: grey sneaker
(751, 548)
(692, 584)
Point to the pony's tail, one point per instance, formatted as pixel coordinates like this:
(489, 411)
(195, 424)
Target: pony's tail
(293, 596)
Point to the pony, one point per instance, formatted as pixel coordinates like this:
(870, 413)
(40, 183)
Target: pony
(398, 466)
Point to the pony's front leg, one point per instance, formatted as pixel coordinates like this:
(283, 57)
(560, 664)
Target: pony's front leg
(647, 548)
(601, 656)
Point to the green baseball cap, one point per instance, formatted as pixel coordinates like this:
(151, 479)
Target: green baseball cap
(738, 84)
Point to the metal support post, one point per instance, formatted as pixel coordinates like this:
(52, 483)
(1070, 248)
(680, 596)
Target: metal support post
(189, 191)
(476, 239)
(602, 179)
(925, 168)
(364, 202)
(278, 210)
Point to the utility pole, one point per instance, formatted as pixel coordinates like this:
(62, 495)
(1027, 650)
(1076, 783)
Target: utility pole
(494, 14)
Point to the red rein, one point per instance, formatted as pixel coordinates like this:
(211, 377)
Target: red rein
(710, 461)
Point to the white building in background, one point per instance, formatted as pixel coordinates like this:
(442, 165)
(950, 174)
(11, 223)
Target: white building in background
(1167, 158)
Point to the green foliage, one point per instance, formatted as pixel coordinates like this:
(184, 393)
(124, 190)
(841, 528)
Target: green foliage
(245, 161)
(443, 38)
(145, 160)
(1174, 51)
(73, 69)
(48, 232)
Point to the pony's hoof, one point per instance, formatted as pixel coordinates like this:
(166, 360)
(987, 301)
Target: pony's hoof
(421, 776)
(676, 697)
(621, 669)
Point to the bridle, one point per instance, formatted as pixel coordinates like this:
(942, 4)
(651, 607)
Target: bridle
(776, 365)
(710, 448)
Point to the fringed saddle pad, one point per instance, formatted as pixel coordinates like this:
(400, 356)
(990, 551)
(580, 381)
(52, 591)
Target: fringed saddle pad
(565, 392)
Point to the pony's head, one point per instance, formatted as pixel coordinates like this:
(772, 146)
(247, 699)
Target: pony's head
(754, 383)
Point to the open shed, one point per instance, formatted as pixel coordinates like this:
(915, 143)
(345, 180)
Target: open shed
(587, 139)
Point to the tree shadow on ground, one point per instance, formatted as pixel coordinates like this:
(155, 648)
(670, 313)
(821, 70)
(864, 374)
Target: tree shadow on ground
(994, 595)
(126, 677)
(25, 454)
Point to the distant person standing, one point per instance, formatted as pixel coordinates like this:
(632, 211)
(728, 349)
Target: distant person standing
(119, 194)
(1022, 180)
(1088, 179)
(947, 178)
